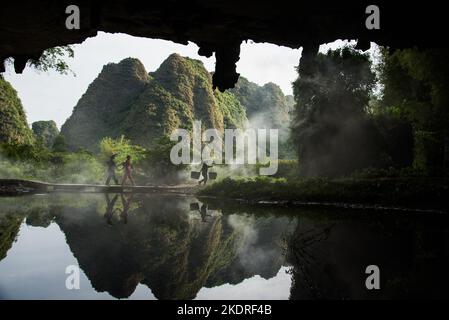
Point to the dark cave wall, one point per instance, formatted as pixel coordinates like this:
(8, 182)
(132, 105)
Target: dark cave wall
(29, 27)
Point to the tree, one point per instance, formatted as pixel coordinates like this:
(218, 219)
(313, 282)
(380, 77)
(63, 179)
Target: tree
(122, 147)
(59, 144)
(415, 86)
(331, 129)
(45, 132)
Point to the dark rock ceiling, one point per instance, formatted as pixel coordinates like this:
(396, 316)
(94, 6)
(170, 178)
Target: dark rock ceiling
(29, 27)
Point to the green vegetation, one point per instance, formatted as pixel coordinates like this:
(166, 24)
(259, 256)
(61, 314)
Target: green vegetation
(332, 131)
(126, 100)
(13, 124)
(341, 125)
(415, 91)
(234, 115)
(408, 192)
(45, 132)
(152, 165)
(360, 145)
(102, 109)
(59, 144)
(122, 147)
(37, 153)
(37, 163)
(158, 166)
(54, 59)
(265, 105)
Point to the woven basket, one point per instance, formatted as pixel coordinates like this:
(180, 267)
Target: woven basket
(212, 175)
(195, 174)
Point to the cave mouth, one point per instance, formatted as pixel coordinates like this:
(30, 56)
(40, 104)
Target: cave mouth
(217, 27)
(259, 63)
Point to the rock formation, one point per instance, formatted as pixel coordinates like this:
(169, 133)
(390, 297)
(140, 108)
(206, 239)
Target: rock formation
(14, 128)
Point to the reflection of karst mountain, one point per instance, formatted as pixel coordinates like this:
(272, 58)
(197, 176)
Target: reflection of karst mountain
(170, 249)
(9, 227)
(176, 252)
(13, 214)
(329, 258)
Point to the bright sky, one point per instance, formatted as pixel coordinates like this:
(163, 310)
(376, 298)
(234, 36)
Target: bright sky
(51, 96)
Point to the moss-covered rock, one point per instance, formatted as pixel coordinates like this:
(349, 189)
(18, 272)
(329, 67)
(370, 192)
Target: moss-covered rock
(14, 128)
(102, 109)
(266, 105)
(45, 132)
(267, 108)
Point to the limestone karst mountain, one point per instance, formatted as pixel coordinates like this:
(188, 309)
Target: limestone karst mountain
(105, 105)
(45, 132)
(266, 105)
(14, 128)
(127, 100)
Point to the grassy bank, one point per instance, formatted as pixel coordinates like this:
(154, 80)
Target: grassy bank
(409, 192)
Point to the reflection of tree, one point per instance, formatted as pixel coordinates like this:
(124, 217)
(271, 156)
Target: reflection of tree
(9, 228)
(329, 257)
(39, 217)
(305, 256)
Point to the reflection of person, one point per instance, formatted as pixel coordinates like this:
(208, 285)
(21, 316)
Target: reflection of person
(203, 212)
(126, 205)
(128, 167)
(111, 170)
(110, 208)
(204, 170)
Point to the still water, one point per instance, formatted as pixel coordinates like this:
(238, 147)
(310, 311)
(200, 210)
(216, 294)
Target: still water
(180, 247)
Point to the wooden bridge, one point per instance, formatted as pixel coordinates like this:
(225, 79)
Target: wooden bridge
(18, 187)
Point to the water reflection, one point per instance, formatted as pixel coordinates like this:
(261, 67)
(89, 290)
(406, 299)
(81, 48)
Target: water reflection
(121, 242)
(330, 256)
(171, 247)
(111, 209)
